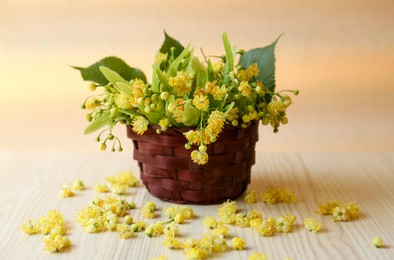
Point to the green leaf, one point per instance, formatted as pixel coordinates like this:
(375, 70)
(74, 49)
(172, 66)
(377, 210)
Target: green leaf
(202, 79)
(211, 74)
(127, 112)
(197, 66)
(229, 53)
(112, 76)
(98, 123)
(163, 79)
(229, 107)
(123, 87)
(172, 71)
(93, 73)
(154, 117)
(170, 42)
(191, 115)
(265, 59)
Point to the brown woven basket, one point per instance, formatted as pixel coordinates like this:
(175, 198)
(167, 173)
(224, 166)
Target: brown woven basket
(169, 174)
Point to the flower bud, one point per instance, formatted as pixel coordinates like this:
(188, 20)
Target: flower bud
(164, 95)
(132, 205)
(154, 97)
(92, 86)
(128, 219)
(172, 107)
(147, 109)
(377, 241)
(202, 148)
(89, 117)
(103, 147)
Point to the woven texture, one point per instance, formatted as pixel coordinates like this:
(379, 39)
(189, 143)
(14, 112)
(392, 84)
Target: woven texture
(169, 174)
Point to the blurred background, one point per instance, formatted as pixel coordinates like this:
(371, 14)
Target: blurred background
(339, 54)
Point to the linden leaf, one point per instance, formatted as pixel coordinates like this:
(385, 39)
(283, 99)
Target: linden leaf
(169, 43)
(93, 73)
(98, 123)
(191, 115)
(265, 59)
(229, 53)
(112, 76)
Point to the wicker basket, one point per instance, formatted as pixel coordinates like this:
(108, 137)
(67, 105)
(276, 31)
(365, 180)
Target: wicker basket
(169, 174)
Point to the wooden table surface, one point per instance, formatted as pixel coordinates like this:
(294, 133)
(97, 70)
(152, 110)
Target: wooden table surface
(365, 178)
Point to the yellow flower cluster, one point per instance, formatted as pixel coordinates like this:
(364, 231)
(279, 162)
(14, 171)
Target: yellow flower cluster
(245, 88)
(285, 223)
(149, 210)
(226, 212)
(179, 213)
(159, 258)
(250, 72)
(264, 227)
(238, 243)
(257, 256)
(328, 207)
(155, 229)
(201, 102)
(170, 239)
(339, 211)
(209, 222)
(140, 124)
(218, 228)
(251, 197)
(313, 225)
(67, 190)
(181, 83)
(101, 188)
(120, 183)
(103, 214)
(202, 248)
(52, 226)
(78, 184)
(125, 231)
(199, 157)
(273, 195)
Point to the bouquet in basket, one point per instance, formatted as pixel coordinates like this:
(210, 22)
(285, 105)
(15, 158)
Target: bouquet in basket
(201, 95)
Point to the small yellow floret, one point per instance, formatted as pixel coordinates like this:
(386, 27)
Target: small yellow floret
(66, 191)
(251, 197)
(313, 225)
(149, 210)
(78, 184)
(125, 231)
(238, 243)
(226, 212)
(101, 188)
(273, 195)
(257, 256)
(56, 243)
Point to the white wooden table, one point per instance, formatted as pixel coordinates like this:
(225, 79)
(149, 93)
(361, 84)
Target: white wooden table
(29, 185)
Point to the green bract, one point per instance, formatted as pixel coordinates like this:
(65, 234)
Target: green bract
(186, 91)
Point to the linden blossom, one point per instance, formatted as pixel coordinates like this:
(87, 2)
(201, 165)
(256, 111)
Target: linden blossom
(186, 92)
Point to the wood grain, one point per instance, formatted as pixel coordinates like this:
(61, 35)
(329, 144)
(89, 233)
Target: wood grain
(29, 185)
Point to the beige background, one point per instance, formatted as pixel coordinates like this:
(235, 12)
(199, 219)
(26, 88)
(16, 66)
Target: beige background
(339, 54)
